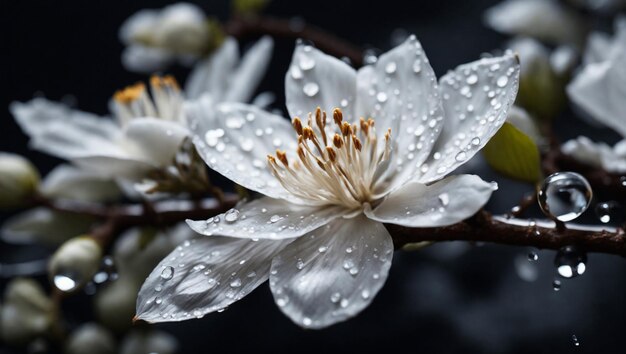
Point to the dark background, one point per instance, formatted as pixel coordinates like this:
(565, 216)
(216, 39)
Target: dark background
(449, 298)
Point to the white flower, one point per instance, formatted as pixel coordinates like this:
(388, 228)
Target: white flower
(155, 38)
(148, 341)
(318, 233)
(148, 129)
(600, 91)
(19, 180)
(547, 20)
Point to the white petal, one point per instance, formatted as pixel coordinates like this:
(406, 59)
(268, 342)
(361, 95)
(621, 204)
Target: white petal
(315, 79)
(401, 92)
(476, 99)
(69, 182)
(212, 75)
(141, 59)
(268, 218)
(332, 274)
(41, 225)
(599, 89)
(234, 140)
(204, 275)
(61, 131)
(246, 78)
(598, 48)
(442, 203)
(158, 140)
(544, 19)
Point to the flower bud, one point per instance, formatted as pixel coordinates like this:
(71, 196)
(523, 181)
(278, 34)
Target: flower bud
(26, 313)
(115, 304)
(90, 338)
(18, 180)
(149, 341)
(75, 263)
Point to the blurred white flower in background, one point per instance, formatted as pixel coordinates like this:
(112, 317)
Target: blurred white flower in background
(546, 20)
(602, 6)
(599, 90)
(147, 130)
(156, 38)
(319, 226)
(90, 338)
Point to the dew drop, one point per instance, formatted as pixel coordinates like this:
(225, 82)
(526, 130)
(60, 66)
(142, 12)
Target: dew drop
(167, 273)
(299, 264)
(231, 216)
(556, 285)
(476, 141)
(344, 303)
(575, 340)
(365, 294)
(296, 74)
(310, 89)
(417, 66)
(306, 321)
(570, 262)
(381, 97)
(306, 63)
(235, 283)
(461, 156)
(609, 212)
(322, 249)
(533, 256)
(564, 196)
(335, 297)
(390, 68)
(344, 103)
(502, 81)
(158, 300)
(444, 199)
(472, 79)
(275, 218)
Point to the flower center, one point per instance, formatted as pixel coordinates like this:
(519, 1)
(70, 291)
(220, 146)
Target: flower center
(338, 164)
(135, 102)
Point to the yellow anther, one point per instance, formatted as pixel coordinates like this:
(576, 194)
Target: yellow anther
(297, 125)
(308, 133)
(364, 126)
(337, 141)
(357, 142)
(282, 157)
(337, 116)
(346, 129)
(130, 93)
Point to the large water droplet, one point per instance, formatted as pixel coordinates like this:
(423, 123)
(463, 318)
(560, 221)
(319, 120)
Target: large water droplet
(232, 215)
(564, 196)
(570, 262)
(310, 89)
(167, 273)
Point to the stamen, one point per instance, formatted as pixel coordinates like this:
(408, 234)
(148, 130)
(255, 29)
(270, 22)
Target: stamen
(129, 93)
(297, 125)
(339, 171)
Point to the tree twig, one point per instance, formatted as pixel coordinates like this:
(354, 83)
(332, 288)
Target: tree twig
(249, 26)
(480, 228)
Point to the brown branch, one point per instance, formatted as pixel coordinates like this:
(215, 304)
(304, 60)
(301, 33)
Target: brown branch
(480, 228)
(485, 228)
(254, 26)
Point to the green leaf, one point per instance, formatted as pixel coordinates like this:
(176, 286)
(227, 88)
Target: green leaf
(513, 154)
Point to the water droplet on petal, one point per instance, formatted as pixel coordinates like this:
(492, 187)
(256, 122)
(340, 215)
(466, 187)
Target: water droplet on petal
(461, 156)
(444, 199)
(231, 216)
(335, 297)
(502, 81)
(167, 273)
(564, 196)
(310, 89)
(300, 264)
(306, 62)
(365, 294)
(381, 97)
(533, 256)
(472, 79)
(275, 218)
(556, 285)
(306, 321)
(235, 283)
(390, 68)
